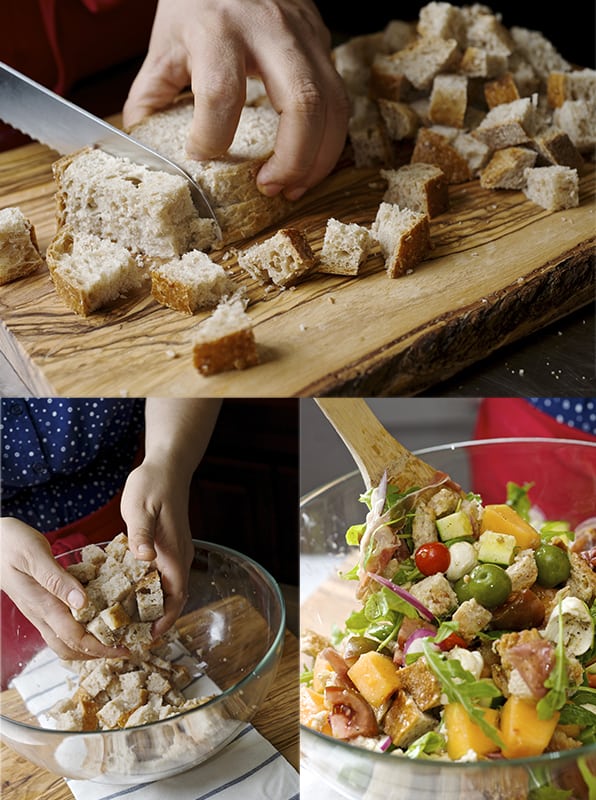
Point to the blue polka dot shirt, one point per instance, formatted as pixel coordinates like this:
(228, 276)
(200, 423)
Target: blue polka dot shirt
(577, 413)
(64, 458)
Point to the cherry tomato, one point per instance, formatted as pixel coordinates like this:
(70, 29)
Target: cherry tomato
(451, 641)
(432, 557)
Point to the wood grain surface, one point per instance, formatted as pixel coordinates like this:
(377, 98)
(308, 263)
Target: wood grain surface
(277, 721)
(501, 268)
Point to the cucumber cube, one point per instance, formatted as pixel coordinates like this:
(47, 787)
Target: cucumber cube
(496, 548)
(454, 526)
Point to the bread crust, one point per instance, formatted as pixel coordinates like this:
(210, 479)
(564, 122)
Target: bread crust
(235, 350)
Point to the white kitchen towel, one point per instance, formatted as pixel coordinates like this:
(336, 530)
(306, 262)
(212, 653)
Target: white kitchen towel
(248, 767)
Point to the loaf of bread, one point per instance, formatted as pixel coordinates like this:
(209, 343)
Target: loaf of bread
(19, 253)
(229, 182)
(191, 282)
(281, 259)
(345, 248)
(148, 212)
(404, 237)
(225, 340)
(89, 272)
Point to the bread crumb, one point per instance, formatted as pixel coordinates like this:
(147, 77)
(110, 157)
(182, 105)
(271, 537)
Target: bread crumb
(170, 354)
(123, 393)
(302, 326)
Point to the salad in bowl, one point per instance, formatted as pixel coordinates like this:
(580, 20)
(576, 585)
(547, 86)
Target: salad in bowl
(473, 635)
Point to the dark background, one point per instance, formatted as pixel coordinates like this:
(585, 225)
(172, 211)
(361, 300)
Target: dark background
(571, 26)
(245, 492)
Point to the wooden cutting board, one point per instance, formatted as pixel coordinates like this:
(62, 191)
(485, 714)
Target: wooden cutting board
(277, 721)
(501, 268)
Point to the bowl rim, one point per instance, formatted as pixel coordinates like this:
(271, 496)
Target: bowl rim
(272, 584)
(469, 443)
(435, 763)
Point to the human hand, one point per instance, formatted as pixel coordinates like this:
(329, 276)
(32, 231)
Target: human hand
(44, 592)
(215, 45)
(155, 508)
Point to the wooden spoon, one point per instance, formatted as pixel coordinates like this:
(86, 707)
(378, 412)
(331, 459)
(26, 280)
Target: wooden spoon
(373, 448)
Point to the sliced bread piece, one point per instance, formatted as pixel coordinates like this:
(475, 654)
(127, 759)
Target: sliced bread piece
(345, 248)
(19, 253)
(421, 187)
(225, 340)
(404, 237)
(477, 62)
(553, 188)
(88, 272)
(506, 168)
(190, 282)
(282, 259)
(147, 211)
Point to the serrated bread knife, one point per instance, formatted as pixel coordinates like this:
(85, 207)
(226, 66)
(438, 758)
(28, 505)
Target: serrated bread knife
(63, 126)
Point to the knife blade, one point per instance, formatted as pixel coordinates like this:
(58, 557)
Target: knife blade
(63, 126)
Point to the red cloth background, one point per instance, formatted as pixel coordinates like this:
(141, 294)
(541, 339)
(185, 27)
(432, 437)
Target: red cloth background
(86, 50)
(570, 479)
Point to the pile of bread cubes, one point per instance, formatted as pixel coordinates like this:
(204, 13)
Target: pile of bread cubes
(465, 97)
(124, 597)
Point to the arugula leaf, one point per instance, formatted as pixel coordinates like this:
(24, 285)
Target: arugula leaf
(407, 572)
(572, 714)
(393, 497)
(461, 686)
(354, 534)
(518, 498)
(426, 745)
(306, 676)
(557, 682)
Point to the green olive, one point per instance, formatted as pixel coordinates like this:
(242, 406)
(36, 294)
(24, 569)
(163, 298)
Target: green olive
(553, 565)
(462, 589)
(489, 585)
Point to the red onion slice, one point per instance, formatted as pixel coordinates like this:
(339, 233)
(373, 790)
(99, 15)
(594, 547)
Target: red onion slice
(421, 633)
(385, 744)
(409, 598)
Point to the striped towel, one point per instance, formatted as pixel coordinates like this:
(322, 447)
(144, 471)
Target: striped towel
(248, 767)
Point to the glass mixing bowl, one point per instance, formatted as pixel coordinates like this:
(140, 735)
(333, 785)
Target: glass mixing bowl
(564, 476)
(235, 614)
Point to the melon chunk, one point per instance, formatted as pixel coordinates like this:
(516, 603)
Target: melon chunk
(375, 676)
(523, 732)
(501, 518)
(463, 734)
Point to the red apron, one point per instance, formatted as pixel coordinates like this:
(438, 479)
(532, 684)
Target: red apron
(571, 478)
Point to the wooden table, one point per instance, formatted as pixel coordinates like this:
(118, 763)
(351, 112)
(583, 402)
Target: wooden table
(501, 269)
(277, 721)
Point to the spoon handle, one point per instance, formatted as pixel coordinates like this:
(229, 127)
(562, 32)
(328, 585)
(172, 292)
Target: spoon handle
(372, 447)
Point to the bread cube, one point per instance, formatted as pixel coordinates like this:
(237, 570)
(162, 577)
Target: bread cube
(281, 259)
(404, 237)
(115, 617)
(553, 188)
(190, 282)
(19, 253)
(117, 547)
(345, 248)
(418, 681)
(225, 340)
(506, 168)
(405, 721)
(420, 187)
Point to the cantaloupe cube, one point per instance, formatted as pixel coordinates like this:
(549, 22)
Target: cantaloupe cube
(502, 518)
(313, 712)
(522, 731)
(463, 734)
(375, 677)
